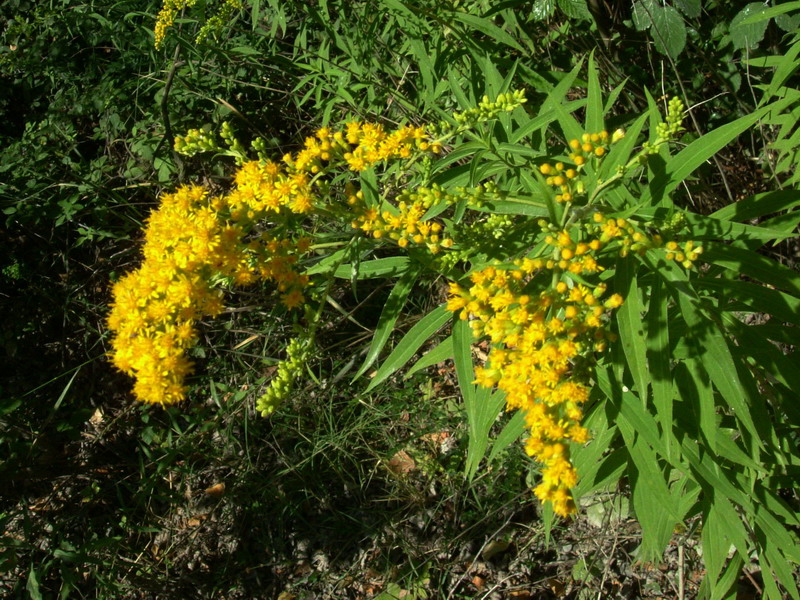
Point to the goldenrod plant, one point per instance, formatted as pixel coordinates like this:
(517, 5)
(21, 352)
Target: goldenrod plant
(613, 316)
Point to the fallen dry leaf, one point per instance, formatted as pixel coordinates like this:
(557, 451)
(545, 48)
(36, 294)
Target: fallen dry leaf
(215, 490)
(478, 582)
(493, 548)
(401, 463)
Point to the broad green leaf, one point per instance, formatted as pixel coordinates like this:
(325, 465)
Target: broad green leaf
(411, 342)
(668, 31)
(691, 8)
(643, 13)
(391, 310)
(542, 9)
(575, 9)
(748, 35)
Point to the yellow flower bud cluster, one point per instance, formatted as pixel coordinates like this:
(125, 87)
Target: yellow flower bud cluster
(403, 223)
(564, 178)
(195, 141)
(571, 256)
(487, 109)
(673, 126)
(282, 383)
(166, 18)
(630, 238)
(214, 25)
(538, 339)
(685, 255)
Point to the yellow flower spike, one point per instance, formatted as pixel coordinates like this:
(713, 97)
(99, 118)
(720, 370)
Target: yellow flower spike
(545, 169)
(599, 151)
(575, 144)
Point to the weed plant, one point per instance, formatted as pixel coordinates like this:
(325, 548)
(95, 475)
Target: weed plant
(692, 395)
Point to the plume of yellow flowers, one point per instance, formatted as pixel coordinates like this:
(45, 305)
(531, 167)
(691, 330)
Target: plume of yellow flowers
(541, 342)
(189, 240)
(195, 238)
(166, 18)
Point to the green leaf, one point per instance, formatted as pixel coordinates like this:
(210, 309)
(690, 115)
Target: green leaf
(487, 27)
(702, 396)
(442, 352)
(391, 310)
(755, 297)
(542, 9)
(642, 13)
(719, 528)
(542, 120)
(411, 342)
(575, 9)
(594, 99)
(631, 330)
(481, 405)
(380, 268)
(753, 265)
(758, 205)
(748, 35)
(668, 31)
(621, 151)
(530, 208)
(512, 431)
(683, 164)
(659, 359)
(691, 8)
(712, 347)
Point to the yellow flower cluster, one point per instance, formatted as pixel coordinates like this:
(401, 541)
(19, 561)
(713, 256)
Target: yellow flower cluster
(359, 146)
(403, 223)
(537, 341)
(166, 18)
(188, 241)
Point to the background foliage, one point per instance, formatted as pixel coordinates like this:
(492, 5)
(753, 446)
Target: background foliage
(104, 499)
